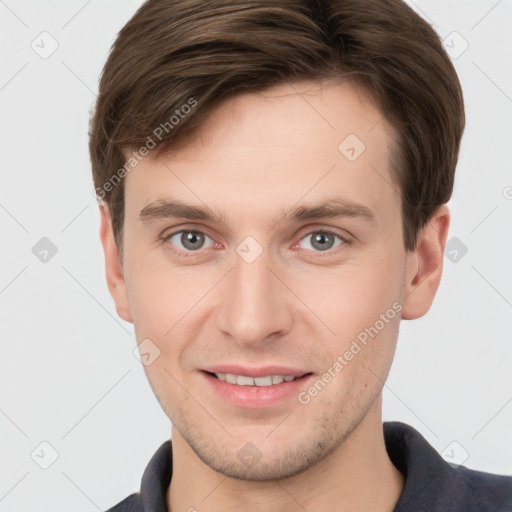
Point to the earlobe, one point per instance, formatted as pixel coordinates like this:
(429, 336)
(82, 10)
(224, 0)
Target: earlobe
(425, 266)
(113, 266)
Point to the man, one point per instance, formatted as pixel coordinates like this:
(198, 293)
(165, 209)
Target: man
(273, 181)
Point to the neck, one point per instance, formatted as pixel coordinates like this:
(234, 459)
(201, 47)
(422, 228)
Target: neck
(358, 475)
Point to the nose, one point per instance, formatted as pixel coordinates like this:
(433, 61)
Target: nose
(254, 305)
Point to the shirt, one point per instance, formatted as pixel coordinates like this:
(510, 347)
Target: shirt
(431, 484)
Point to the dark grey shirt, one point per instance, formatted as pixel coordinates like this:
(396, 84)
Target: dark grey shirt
(431, 484)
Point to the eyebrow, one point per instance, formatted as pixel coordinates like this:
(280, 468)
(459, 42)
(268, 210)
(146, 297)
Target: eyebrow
(330, 208)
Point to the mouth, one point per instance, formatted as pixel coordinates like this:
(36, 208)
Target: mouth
(255, 388)
(263, 381)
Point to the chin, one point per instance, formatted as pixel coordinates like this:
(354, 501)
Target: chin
(265, 459)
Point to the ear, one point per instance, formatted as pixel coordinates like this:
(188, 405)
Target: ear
(425, 265)
(113, 266)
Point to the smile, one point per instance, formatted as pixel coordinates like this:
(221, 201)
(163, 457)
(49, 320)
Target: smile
(244, 380)
(257, 388)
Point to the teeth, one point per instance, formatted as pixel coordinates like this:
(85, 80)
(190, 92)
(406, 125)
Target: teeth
(263, 381)
(229, 378)
(243, 380)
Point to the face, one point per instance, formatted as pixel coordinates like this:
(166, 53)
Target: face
(270, 285)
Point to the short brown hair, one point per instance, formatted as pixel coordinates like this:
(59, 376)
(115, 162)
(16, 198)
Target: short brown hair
(195, 53)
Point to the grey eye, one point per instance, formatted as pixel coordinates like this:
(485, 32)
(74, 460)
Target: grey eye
(190, 240)
(322, 240)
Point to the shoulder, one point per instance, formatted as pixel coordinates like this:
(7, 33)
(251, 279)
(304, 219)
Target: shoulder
(484, 490)
(431, 483)
(132, 503)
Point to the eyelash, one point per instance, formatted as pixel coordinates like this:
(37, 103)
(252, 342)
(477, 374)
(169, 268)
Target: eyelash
(191, 254)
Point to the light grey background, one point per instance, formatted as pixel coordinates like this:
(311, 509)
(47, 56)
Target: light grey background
(68, 376)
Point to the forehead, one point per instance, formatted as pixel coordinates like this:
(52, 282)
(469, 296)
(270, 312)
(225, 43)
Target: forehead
(292, 142)
(284, 114)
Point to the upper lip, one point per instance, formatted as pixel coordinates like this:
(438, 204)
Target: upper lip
(262, 371)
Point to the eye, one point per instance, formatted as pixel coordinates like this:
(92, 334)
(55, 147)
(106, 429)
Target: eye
(190, 240)
(322, 241)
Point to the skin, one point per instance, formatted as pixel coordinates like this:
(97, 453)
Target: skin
(295, 305)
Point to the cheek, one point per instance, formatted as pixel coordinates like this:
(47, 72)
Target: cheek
(359, 368)
(360, 302)
(158, 296)
(351, 297)
(165, 304)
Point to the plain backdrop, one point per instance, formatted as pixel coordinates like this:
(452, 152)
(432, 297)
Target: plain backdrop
(72, 394)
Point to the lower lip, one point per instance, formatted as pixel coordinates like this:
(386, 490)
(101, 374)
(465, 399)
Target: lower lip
(254, 397)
